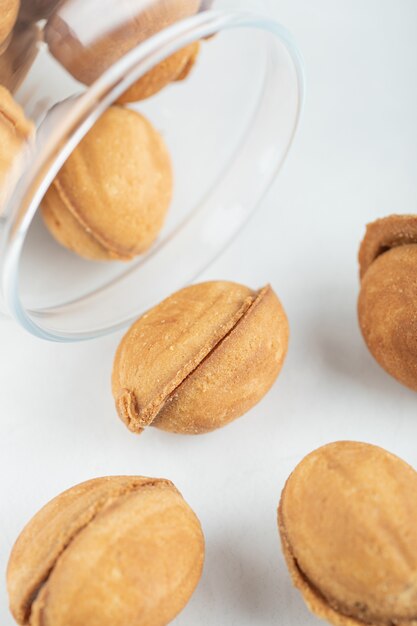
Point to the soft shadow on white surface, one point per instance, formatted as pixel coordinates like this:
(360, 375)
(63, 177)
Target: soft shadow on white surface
(354, 160)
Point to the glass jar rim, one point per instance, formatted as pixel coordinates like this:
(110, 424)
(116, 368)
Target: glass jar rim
(81, 116)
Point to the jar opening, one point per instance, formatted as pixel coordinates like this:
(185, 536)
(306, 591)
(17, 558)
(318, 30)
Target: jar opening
(228, 128)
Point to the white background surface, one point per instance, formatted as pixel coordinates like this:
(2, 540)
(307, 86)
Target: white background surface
(354, 159)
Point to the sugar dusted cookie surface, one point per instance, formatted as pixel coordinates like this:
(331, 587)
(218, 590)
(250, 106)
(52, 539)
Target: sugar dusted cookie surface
(387, 305)
(201, 358)
(109, 552)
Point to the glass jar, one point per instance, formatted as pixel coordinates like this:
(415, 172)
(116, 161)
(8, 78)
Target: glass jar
(228, 124)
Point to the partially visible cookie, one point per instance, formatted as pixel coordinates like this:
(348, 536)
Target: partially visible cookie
(347, 524)
(15, 133)
(87, 60)
(200, 359)
(108, 552)
(387, 304)
(110, 199)
(8, 16)
(385, 233)
(174, 68)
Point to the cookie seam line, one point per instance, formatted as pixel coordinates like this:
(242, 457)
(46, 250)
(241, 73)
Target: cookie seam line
(257, 298)
(102, 241)
(15, 126)
(140, 424)
(298, 572)
(384, 245)
(100, 507)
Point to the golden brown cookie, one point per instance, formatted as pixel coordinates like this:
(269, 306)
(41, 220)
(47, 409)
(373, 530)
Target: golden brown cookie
(175, 67)
(194, 49)
(387, 305)
(110, 199)
(108, 552)
(384, 234)
(200, 359)
(15, 134)
(87, 62)
(347, 524)
(8, 16)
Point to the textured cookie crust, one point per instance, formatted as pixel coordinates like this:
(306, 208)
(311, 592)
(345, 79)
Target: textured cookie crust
(110, 199)
(201, 358)
(387, 311)
(384, 234)
(175, 67)
(387, 304)
(108, 552)
(347, 525)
